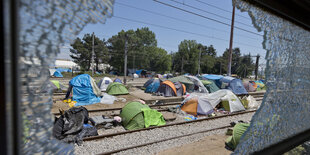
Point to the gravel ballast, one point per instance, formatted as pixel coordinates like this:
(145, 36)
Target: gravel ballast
(136, 138)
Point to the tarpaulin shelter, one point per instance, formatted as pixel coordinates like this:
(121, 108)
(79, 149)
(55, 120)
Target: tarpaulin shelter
(253, 84)
(136, 115)
(249, 86)
(104, 83)
(234, 85)
(210, 85)
(152, 85)
(167, 88)
(57, 74)
(215, 78)
(117, 88)
(85, 90)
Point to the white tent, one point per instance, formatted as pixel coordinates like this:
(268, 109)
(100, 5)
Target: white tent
(104, 83)
(225, 95)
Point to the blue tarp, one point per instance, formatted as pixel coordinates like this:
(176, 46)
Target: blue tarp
(63, 70)
(235, 85)
(212, 76)
(215, 78)
(83, 91)
(153, 87)
(139, 71)
(57, 74)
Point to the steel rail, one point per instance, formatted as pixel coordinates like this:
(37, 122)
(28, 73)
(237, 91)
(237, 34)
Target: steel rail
(172, 124)
(114, 109)
(166, 139)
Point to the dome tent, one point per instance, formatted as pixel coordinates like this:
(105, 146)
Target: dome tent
(57, 74)
(204, 104)
(233, 84)
(210, 85)
(196, 105)
(104, 83)
(152, 85)
(117, 88)
(85, 90)
(168, 88)
(136, 115)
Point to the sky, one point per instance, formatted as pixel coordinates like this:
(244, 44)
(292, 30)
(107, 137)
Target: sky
(133, 14)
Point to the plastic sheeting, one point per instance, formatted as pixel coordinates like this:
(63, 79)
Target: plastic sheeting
(83, 92)
(285, 108)
(44, 27)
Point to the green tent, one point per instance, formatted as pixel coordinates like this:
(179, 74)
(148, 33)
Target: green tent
(184, 80)
(60, 87)
(238, 130)
(117, 88)
(136, 115)
(210, 85)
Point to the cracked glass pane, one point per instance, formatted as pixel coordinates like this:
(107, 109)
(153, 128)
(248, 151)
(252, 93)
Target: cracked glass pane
(285, 108)
(44, 27)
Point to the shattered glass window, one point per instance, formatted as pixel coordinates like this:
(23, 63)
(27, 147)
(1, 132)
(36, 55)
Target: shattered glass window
(44, 27)
(285, 108)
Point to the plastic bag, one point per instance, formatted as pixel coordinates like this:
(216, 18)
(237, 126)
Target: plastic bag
(252, 102)
(107, 99)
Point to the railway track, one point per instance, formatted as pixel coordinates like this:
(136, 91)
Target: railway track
(100, 137)
(117, 110)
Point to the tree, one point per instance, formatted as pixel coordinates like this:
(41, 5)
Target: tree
(236, 57)
(142, 49)
(245, 67)
(81, 51)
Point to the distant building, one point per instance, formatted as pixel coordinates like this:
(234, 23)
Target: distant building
(65, 63)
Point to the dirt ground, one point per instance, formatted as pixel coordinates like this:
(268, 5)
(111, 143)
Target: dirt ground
(213, 145)
(58, 103)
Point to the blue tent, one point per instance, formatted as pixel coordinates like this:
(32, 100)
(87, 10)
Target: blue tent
(152, 85)
(235, 85)
(57, 74)
(118, 80)
(139, 71)
(83, 90)
(215, 78)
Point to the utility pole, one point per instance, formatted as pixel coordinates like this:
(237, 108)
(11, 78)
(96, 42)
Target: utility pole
(256, 66)
(92, 57)
(220, 68)
(199, 61)
(133, 61)
(231, 41)
(125, 61)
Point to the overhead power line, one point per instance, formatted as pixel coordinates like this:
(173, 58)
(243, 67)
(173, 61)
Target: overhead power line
(214, 14)
(184, 31)
(208, 4)
(182, 20)
(207, 17)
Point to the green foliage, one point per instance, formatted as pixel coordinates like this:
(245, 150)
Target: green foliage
(142, 49)
(186, 60)
(81, 51)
